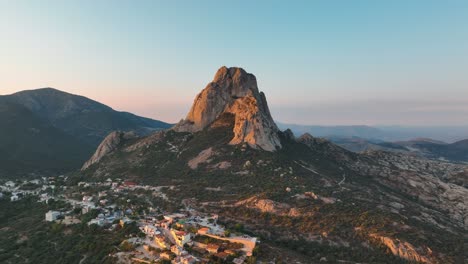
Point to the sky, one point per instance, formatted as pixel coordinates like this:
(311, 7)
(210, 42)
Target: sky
(325, 62)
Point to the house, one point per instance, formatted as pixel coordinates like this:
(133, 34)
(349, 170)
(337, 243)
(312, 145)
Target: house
(125, 221)
(222, 255)
(200, 244)
(239, 260)
(180, 223)
(164, 223)
(14, 197)
(188, 259)
(150, 230)
(87, 198)
(174, 217)
(34, 181)
(10, 184)
(51, 216)
(87, 208)
(230, 251)
(179, 251)
(165, 255)
(203, 231)
(212, 248)
(129, 184)
(181, 237)
(214, 217)
(161, 241)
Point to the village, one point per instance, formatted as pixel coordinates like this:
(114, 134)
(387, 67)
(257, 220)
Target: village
(183, 236)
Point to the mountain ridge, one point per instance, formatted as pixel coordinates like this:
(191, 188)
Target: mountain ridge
(78, 124)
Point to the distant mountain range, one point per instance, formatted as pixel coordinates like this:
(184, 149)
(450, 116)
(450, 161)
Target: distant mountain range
(47, 130)
(428, 148)
(396, 139)
(336, 131)
(383, 133)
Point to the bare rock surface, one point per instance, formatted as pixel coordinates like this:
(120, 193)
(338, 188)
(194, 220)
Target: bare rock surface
(202, 157)
(428, 181)
(109, 144)
(405, 250)
(234, 91)
(268, 206)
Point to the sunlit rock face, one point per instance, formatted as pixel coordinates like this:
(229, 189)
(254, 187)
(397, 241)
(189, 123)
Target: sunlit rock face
(109, 144)
(234, 91)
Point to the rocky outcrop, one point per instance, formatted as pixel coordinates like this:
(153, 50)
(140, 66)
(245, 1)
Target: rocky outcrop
(109, 144)
(234, 91)
(425, 180)
(289, 135)
(405, 250)
(268, 206)
(326, 148)
(202, 157)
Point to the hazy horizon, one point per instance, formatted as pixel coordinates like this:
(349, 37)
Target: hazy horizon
(319, 63)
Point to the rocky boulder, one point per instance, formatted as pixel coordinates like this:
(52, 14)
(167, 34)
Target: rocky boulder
(109, 144)
(234, 91)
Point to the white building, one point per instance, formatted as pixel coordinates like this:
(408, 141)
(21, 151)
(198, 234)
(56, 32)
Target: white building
(10, 184)
(87, 198)
(87, 207)
(150, 230)
(35, 181)
(180, 237)
(14, 197)
(52, 216)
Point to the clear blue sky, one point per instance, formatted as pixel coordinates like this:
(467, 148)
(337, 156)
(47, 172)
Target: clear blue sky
(319, 62)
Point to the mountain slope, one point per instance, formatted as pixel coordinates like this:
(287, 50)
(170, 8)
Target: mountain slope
(457, 151)
(30, 144)
(309, 196)
(47, 131)
(428, 148)
(87, 120)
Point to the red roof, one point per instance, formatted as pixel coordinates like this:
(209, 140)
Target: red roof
(212, 246)
(129, 183)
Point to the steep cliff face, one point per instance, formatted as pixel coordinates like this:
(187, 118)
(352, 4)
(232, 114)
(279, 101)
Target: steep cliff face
(234, 91)
(109, 144)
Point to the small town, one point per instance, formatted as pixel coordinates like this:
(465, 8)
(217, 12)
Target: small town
(184, 236)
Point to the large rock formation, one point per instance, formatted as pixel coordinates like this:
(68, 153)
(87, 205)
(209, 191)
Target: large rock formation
(234, 91)
(109, 144)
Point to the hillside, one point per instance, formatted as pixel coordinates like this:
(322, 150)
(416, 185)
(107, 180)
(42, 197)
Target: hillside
(307, 195)
(83, 118)
(30, 144)
(422, 147)
(47, 131)
(457, 151)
